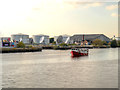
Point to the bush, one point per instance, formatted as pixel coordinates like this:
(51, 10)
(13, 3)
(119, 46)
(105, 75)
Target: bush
(109, 43)
(55, 47)
(71, 44)
(119, 43)
(98, 42)
(104, 43)
(63, 44)
(113, 43)
(54, 42)
(20, 45)
(28, 46)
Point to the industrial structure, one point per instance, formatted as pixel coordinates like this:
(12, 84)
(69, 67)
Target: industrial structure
(66, 39)
(5, 38)
(62, 39)
(41, 39)
(78, 38)
(82, 39)
(20, 37)
(5, 41)
(30, 40)
(117, 38)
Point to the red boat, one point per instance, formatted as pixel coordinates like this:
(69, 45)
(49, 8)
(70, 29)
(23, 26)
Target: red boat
(75, 52)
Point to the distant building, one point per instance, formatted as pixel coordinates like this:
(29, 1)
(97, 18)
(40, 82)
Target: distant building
(59, 40)
(51, 40)
(6, 42)
(89, 38)
(55, 38)
(20, 37)
(30, 40)
(41, 39)
(117, 38)
(62, 39)
(85, 42)
(5, 39)
(66, 39)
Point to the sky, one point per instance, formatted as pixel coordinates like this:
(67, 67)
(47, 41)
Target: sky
(58, 17)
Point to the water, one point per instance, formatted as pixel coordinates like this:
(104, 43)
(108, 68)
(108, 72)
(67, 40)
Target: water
(56, 69)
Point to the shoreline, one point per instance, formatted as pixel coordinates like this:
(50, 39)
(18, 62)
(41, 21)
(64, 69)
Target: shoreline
(68, 47)
(21, 50)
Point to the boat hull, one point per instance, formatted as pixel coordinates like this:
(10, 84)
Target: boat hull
(76, 54)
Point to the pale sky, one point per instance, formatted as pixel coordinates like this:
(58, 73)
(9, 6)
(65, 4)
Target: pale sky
(57, 17)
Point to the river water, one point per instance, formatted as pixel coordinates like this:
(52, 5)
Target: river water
(57, 69)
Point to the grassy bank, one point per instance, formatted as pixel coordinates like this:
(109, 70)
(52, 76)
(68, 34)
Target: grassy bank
(16, 50)
(55, 47)
(69, 47)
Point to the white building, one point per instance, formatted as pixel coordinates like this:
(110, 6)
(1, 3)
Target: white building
(65, 38)
(55, 38)
(20, 37)
(117, 38)
(41, 39)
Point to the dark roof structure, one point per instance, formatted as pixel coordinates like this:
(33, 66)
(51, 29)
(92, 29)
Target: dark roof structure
(89, 37)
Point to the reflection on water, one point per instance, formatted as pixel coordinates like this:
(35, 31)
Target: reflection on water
(55, 68)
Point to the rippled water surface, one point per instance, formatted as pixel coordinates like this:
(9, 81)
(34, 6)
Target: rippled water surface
(57, 69)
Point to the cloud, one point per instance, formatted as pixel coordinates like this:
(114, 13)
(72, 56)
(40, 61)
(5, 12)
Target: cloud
(111, 7)
(63, 6)
(93, 5)
(114, 14)
(77, 4)
(35, 9)
(30, 19)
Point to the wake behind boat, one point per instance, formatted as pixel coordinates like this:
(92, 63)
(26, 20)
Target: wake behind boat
(75, 52)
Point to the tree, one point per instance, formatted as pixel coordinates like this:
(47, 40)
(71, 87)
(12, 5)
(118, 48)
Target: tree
(113, 43)
(97, 42)
(109, 43)
(104, 43)
(20, 45)
(119, 43)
